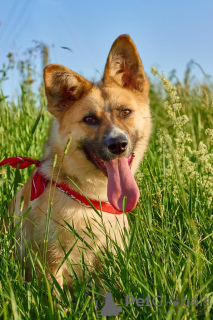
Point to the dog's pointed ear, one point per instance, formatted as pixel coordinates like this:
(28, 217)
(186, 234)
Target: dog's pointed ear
(124, 66)
(63, 87)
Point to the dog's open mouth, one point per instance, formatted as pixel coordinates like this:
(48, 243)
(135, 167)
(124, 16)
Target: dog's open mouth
(121, 182)
(101, 163)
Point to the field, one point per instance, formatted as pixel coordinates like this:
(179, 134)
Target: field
(170, 252)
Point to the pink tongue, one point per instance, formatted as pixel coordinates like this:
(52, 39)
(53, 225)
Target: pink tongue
(121, 183)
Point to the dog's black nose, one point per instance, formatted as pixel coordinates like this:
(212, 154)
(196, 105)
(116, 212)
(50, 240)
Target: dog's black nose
(117, 145)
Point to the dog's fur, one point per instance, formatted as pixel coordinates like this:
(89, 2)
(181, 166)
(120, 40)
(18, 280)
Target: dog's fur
(71, 98)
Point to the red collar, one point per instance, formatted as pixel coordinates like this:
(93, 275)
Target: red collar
(39, 183)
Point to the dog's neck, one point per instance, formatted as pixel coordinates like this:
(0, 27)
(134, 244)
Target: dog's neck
(94, 188)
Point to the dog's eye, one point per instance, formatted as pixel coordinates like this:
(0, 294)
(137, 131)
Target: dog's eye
(90, 120)
(125, 113)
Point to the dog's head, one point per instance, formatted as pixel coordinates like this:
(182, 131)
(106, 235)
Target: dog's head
(109, 122)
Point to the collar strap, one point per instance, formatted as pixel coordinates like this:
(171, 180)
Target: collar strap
(39, 184)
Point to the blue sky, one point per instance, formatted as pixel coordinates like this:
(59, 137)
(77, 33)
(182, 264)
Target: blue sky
(168, 34)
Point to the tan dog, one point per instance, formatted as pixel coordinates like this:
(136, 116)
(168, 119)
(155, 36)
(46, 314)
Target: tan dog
(108, 123)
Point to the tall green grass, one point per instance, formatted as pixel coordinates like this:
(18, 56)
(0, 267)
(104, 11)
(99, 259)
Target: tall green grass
(170, 250)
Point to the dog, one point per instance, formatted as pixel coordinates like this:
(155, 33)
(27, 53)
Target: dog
(109, 125)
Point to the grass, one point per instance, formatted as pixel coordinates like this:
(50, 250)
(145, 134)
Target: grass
(170, 252)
